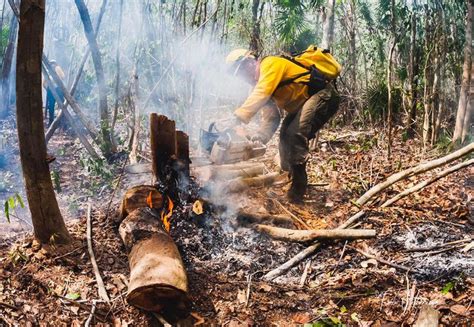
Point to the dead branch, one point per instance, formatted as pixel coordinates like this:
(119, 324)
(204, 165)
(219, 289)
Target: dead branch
(292, 215)
(385, 262)
(100, 283)
(293, 235)
(421, 168)
(427, 182)
(306, 252)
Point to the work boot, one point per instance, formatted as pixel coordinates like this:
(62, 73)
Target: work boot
(299, 183)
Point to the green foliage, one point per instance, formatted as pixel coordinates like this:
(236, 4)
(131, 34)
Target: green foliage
(290, 20)
(375, 100)
(11, 204)
(56, 180)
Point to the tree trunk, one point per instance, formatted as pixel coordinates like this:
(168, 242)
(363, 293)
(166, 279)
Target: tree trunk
(7, 67)
(389, 80)
(468, 117)
(117, 79)
(255, 37)
(413, 67)
(466, 79)
(47, 220)
(99, 70)
(328, 31)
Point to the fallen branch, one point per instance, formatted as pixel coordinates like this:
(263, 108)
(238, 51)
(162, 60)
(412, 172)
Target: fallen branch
(421, 168)
(427, 182)
(293, 235)
(385, 262)
(100, 283)
(306, 252)
(365, 198)
(91, 315)
(292, 215)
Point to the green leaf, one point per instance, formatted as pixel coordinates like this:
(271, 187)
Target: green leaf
(73, 296)
(447, 288)
(11, 202)
(343, 309)
(20, 200)
(6, 208)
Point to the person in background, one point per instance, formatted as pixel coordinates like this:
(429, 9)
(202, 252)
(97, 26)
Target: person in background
(283, 83)
(50, 100)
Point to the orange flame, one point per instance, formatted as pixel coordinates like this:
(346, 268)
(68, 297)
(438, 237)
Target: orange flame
(149, 199)
(165, 217)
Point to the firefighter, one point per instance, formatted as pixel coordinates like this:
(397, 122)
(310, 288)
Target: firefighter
(50, 100)
(284, 83)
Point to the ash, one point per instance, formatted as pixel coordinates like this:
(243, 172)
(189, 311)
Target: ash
(216, 242)
(430, 264)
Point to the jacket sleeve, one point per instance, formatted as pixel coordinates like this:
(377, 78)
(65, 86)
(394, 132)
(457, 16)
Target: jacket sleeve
(271, 73)
(270, 122)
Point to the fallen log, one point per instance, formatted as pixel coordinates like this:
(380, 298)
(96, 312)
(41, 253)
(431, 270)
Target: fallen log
(293, 235)
(158, 280)
(247, 218)
(242, 184)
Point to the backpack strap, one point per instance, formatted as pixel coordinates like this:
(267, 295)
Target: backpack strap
(291, 80)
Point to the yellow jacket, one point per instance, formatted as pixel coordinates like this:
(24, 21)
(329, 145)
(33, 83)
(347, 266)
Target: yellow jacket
(291, 97)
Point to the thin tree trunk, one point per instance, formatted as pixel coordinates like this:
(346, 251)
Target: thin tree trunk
(47, 220)
(413, 75)
(468, 117)
(328, 31)
(7, 67)
(255, 37)
(389, 80)
(117, 81)
(99, 70)
(466, 79)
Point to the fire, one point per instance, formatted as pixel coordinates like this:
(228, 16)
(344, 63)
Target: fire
(149, 200)
(165, 217)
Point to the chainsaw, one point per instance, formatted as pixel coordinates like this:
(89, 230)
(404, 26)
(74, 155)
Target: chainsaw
(229, 147)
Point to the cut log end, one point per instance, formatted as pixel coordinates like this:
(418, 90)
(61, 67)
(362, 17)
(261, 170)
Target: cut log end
(158, 297)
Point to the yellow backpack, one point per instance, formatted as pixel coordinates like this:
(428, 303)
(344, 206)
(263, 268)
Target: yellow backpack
(321, 65)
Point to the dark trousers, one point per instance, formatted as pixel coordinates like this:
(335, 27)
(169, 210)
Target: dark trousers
(300, 127)
(51, 103)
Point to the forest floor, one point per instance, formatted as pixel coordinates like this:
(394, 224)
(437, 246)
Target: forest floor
(54, 286)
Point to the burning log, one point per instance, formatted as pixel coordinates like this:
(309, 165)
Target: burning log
(158, 279)
(141, 196)
(292, 235)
